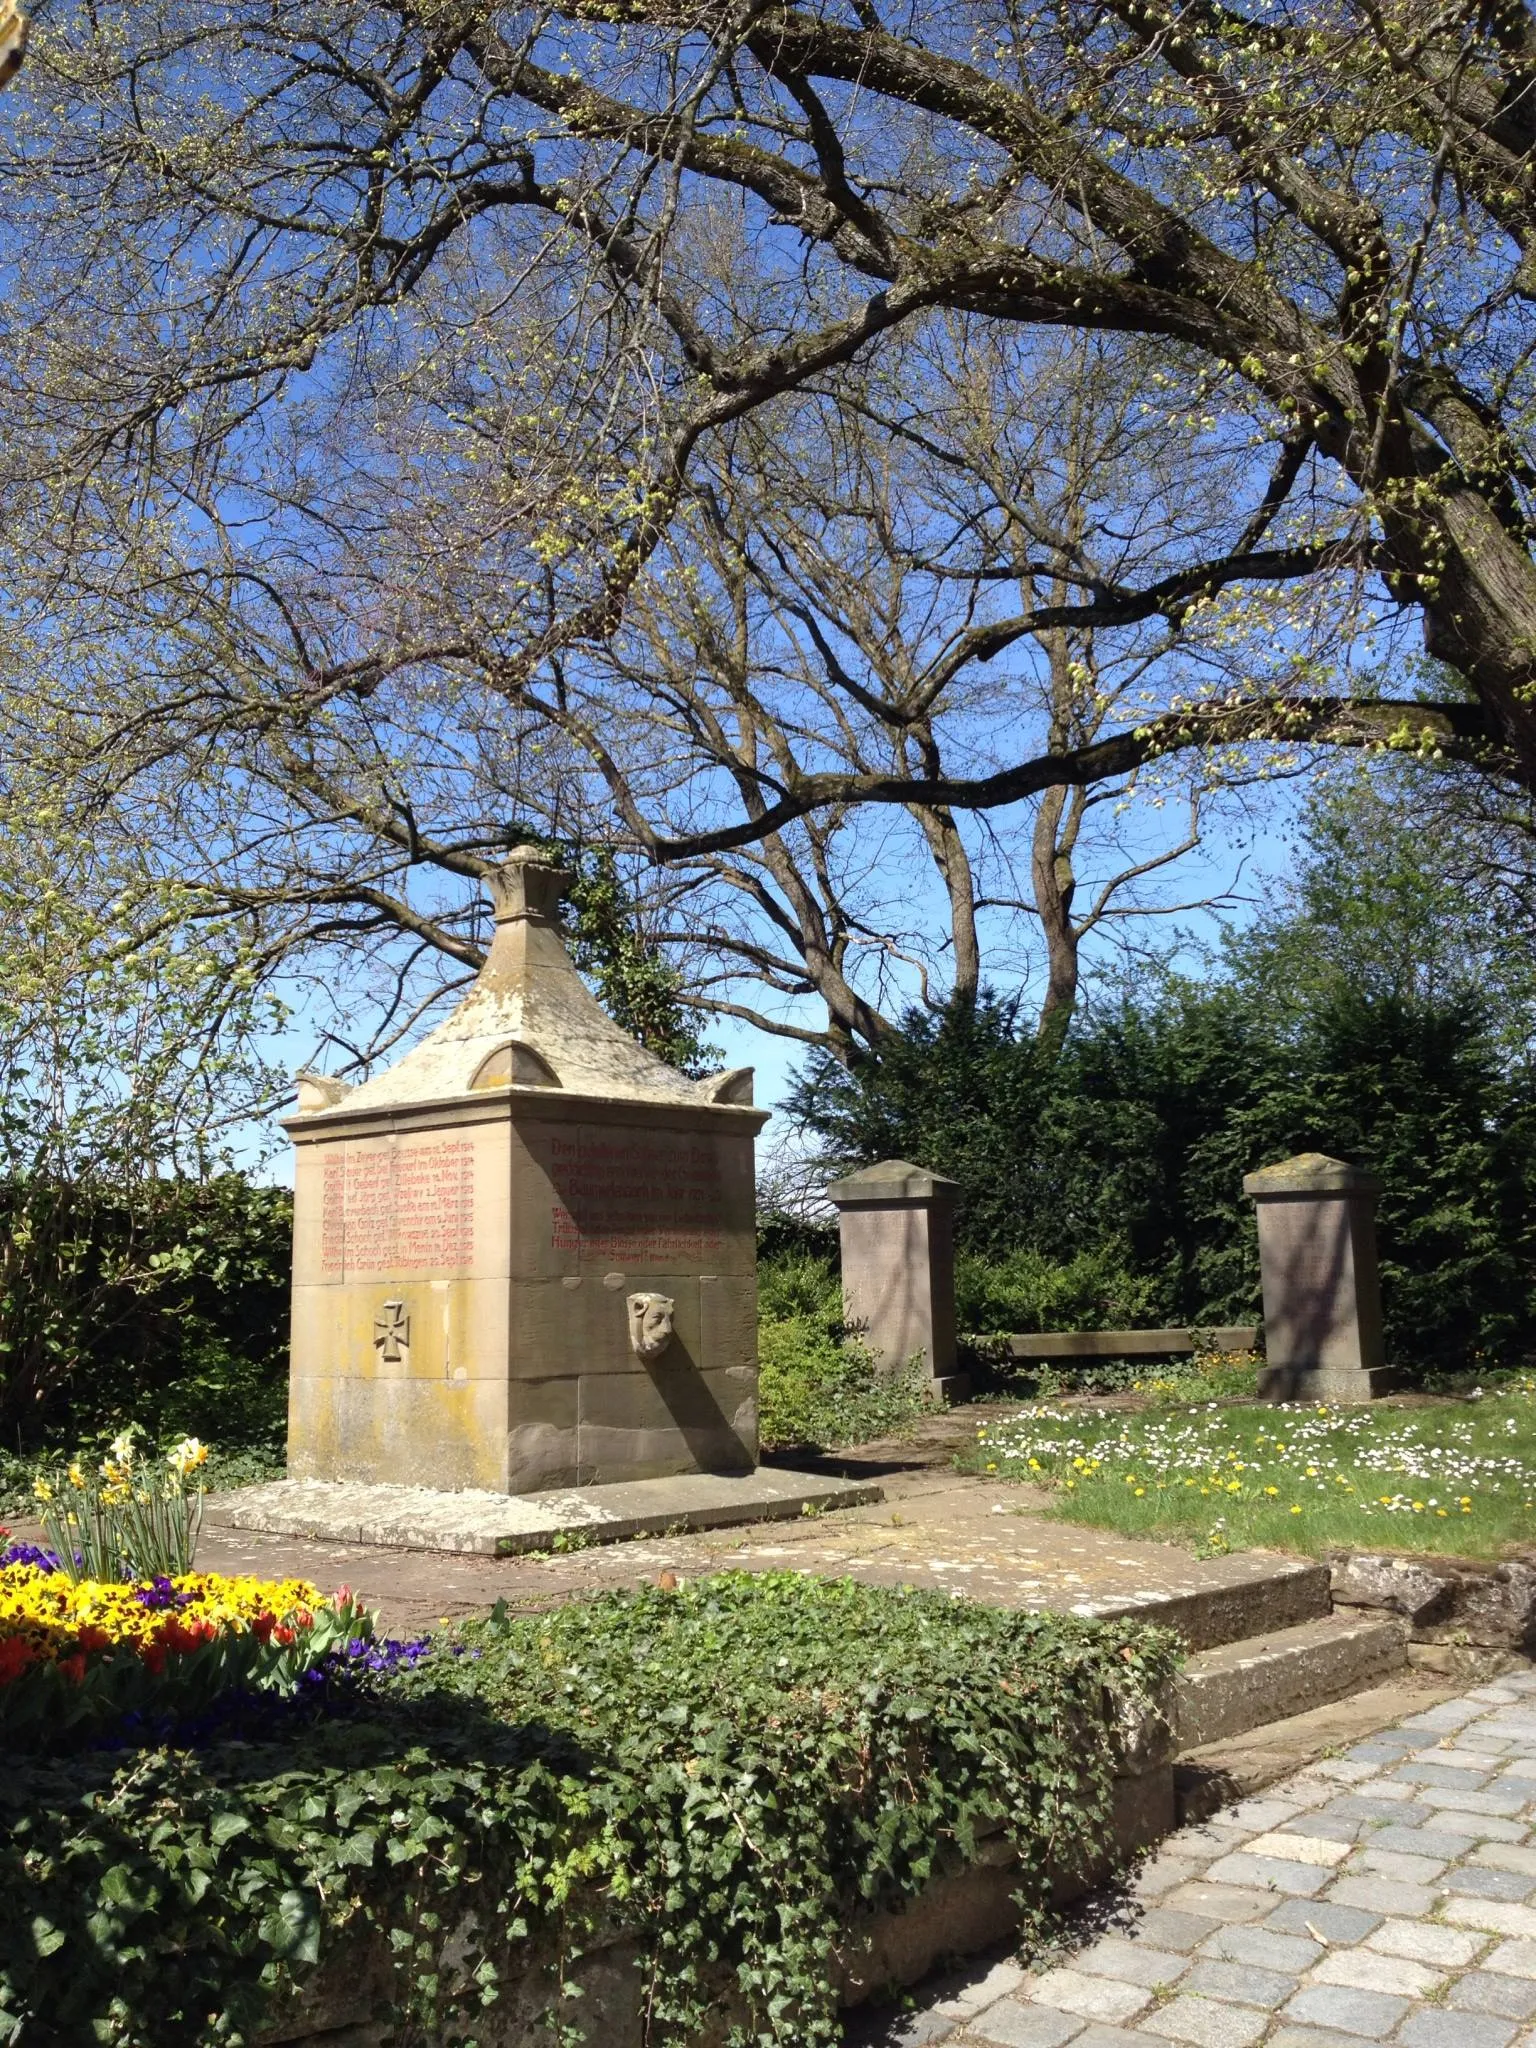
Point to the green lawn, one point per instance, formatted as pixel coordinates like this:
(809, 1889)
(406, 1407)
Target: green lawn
(1458, 1476)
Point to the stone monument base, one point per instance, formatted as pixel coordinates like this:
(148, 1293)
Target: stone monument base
(505, 1525)
(1325, 1383)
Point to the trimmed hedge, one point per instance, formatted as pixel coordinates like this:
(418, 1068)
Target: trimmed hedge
(732, 1771)
(164, 1296)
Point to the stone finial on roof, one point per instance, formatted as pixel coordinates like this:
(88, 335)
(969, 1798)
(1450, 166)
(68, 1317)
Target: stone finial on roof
(527, 885)
(320, 1091)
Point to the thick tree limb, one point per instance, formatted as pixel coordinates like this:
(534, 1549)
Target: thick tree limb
(1455, 731)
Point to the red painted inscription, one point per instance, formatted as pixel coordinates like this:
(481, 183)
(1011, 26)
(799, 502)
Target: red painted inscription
(410, 1208)
(639, 1201)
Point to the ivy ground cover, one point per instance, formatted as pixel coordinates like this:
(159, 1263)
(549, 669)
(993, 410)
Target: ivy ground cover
(729, 1771)
(1454, 1476)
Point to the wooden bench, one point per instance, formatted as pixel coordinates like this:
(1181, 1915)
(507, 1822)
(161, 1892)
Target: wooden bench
(1068, 1346)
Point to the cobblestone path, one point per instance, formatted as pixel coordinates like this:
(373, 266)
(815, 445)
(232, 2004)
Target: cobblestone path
(1385, 1895)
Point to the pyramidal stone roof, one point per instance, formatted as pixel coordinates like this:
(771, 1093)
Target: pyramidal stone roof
(529, 1022)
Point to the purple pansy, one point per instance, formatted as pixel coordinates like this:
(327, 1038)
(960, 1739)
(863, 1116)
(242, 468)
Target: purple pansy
(29, 1553)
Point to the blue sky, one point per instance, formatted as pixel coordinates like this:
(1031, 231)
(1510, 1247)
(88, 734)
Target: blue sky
(1243, 860)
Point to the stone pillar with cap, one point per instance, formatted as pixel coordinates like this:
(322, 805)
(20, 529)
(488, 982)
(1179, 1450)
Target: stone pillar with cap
(896, 1225)
(1322, 1294)
(525, 1254)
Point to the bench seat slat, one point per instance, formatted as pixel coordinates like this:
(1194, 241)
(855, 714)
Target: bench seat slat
(1076, 1344)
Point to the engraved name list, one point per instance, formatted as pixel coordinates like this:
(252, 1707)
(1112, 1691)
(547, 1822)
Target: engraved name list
(410, 1207)
(640, 1201)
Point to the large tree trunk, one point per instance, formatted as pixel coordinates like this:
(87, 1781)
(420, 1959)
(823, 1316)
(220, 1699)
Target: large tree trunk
(1054, 884)
(954, 866)
(1468, 568)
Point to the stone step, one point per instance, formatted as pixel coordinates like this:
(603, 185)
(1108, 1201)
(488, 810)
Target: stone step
(1238, 1766)
(1215, 1601)
(1267, 1677)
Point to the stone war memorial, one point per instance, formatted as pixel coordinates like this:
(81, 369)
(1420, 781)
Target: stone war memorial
(524, 1257)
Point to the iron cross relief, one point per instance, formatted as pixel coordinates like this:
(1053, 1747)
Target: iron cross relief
(392, 1333)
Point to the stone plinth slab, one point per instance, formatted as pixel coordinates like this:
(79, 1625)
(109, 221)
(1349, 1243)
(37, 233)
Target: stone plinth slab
(938, 1531)
(503, 1525)
(1297, 1383)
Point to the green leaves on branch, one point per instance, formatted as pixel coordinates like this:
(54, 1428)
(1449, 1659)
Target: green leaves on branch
(157, 1293)
(818, 1384)
(637, 986)
(129, 1022)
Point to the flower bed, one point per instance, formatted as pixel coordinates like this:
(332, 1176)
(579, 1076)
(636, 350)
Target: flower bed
(86, 1658)
(130, 1517)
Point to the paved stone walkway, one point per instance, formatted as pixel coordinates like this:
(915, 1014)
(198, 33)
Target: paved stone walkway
(1384, 1895)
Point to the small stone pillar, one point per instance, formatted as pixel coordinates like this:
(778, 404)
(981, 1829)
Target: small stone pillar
(1322, 1294)
(896, 1223)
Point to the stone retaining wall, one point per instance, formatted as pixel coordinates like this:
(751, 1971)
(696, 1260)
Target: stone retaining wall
(958, 1914)
(1471, 1615)
(1467, 1617)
